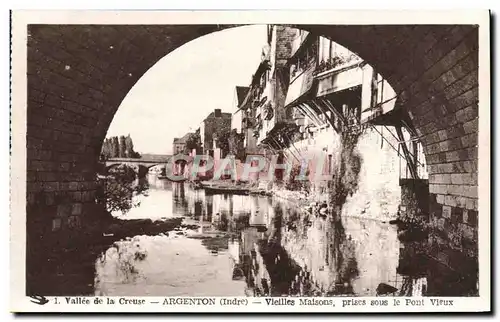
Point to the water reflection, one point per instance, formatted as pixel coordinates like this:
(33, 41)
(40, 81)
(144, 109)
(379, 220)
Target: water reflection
(259, 246)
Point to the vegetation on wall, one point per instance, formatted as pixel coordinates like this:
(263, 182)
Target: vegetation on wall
(193, 142)
(222, 140)
(346, 176)
(236, 144)
(336, 61)
(296, 182)
(118, 188)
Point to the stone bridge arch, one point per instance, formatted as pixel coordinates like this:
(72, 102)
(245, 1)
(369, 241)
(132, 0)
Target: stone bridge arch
(141, 169)
(79, 74)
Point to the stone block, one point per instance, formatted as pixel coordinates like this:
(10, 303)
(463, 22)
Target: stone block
(49, 198)
(446, 212)
(46, 176)
(458, 87)
(56, 224)
(471, 126)
(441, 222)
(465, 216)
(87, 196)
(466, 114)
(456, 215)
(469, 140)
(63, 210)
(76, 209)
(51, 186)
(472, 218)
(472, 153)
(73, 186)
(74, 222)
(464, 178)
(451, 201)
(470, 204)
(76, 196)
(443, 135)
(38, 165)
(444, 178)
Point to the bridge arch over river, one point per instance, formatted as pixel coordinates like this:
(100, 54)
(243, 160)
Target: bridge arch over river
(133, 162)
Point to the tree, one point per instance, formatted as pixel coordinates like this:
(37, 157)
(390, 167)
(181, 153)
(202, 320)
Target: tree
(118, 189)
(193, 142)
(222, 140)
(122, 147)
(129, 146)
(119, 147)
(115, 147)
(106, 149)
(236, 144)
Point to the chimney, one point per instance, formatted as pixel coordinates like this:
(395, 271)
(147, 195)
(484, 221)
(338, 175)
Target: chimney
(217, 112)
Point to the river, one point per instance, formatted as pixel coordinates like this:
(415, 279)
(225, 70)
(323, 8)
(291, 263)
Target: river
(259, 246)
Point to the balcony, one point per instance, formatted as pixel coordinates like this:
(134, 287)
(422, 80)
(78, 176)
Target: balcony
(339, 78)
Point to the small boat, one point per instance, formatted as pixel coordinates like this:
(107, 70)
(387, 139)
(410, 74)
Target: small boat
(196, 185)
(212, 190)
(385, 289)
(160, 177)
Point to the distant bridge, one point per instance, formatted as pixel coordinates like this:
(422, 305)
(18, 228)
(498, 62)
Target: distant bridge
(146, 161)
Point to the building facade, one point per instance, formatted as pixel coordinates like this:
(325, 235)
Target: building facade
(179, 144)
(312, 101)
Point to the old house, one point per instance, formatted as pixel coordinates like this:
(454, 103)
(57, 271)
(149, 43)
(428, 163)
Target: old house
(179, 144)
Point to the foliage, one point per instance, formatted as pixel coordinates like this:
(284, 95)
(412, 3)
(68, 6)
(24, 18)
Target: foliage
(336, 61)
(119, 147)
(345, 180)
(236, 144)
(122, 147)
(193, 142)
(119, 188)
(222, 140)
(294, 182)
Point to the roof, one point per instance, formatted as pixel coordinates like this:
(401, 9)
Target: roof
(223, 114)
(241, 93)
(182, 139)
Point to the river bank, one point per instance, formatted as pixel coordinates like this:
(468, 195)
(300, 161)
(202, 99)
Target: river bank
(181, 241)
(72, 255)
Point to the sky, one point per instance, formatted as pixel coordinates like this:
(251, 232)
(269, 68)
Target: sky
(180, 90)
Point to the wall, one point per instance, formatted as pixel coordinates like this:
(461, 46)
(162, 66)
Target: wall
(236, 120)
(378, 193)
